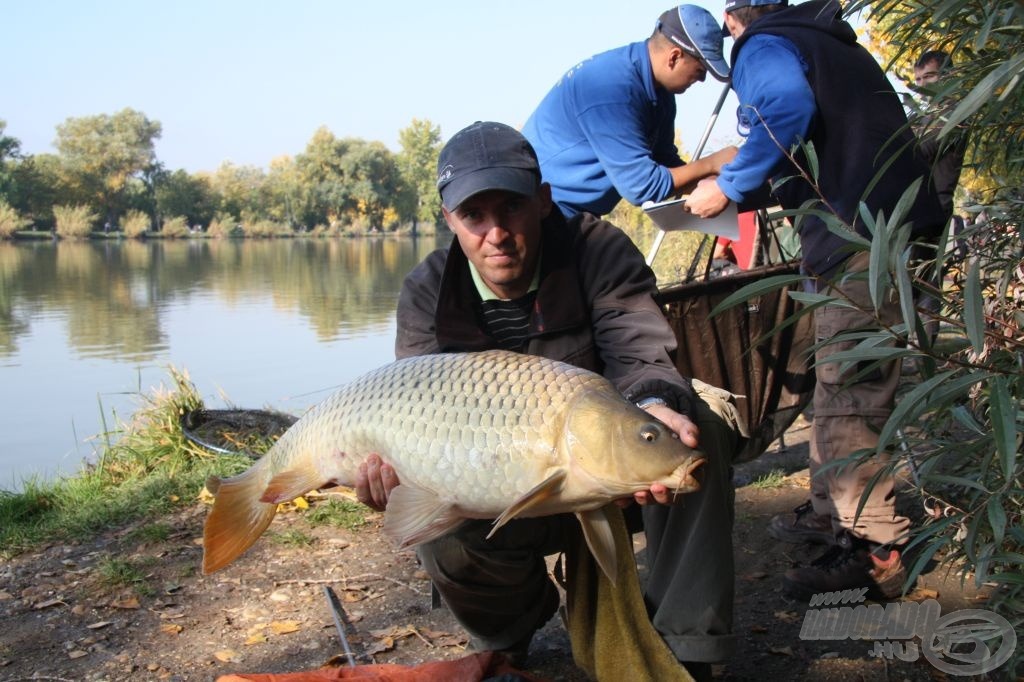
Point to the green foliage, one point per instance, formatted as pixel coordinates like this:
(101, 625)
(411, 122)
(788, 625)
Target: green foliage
(175, 228)
(151, 469)
(10, 221)
(74, 222)
(263, 228)
(190, 196)
(776, 478)
(100, 155)
(135, 224)
(223, 225)
(421, 145)
(118, 572)
(338, 513)
(292, 538)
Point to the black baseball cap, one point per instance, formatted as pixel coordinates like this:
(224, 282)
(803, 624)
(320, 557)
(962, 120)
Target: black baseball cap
(486, 156)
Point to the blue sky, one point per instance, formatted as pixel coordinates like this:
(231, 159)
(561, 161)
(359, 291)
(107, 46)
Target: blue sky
(248, 81)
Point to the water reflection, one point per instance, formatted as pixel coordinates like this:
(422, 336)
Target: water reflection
(83, 321)
(112, 293)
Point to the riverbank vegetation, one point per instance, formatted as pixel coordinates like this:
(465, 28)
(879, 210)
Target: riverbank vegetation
(143, 468)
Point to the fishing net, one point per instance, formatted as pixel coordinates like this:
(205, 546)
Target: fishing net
(235, 431)
(770, 374)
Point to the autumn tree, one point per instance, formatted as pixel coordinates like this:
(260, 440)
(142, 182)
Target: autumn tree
(190, 196)
(421, 145)
(101, 154)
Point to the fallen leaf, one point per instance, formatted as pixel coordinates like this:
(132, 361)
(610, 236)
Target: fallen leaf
(98, 624)
(787, 616)
(79, 609)
(47, 604)
(756, 575)
(125, 603)
(781, 650)
(255, 638)
(77, 653)
(381, 645)
(171, 629)
(759, 629)
(283, 627)
(226, 655)
(4, 595)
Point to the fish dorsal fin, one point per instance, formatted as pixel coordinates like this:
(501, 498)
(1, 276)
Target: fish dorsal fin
(600, 540)
(416, 515)
(541, 492)
(287, 485)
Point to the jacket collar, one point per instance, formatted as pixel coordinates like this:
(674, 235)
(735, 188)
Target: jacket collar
(559, 304)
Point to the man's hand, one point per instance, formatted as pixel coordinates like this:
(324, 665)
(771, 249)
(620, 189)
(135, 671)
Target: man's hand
(374, 482)
(688, 434)
(707, 200)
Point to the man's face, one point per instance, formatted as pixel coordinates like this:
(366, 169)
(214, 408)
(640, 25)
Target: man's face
(499, 232)
(684, 70)
(927, 74)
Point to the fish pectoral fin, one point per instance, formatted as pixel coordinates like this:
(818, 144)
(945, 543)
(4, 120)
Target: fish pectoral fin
(600, 540)
(287, 485)
(541, 492)
(416, 515)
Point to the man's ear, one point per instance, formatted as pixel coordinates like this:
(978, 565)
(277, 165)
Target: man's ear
(544, 196)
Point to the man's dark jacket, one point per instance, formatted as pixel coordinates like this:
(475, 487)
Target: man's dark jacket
(859, 128)
(594, 309)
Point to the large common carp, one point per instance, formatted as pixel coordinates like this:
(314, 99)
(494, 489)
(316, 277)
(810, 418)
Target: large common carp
(471, 435)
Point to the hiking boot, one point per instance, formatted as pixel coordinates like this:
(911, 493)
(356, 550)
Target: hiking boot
(850, 564)
(805, 527)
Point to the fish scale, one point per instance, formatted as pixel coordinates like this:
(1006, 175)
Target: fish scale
(494, 434)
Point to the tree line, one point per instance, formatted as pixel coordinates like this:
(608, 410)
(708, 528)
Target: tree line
(106, 176)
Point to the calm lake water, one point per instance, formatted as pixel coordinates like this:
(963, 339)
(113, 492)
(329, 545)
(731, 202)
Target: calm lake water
(85, 327)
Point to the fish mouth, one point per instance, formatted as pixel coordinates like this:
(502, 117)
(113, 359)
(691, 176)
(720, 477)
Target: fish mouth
(685, 481)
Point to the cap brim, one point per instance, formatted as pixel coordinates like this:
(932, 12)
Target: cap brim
(518, 180)
(718, 68)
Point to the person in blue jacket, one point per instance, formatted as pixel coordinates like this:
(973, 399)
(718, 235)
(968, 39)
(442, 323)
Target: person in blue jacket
(606, 130)
(801, 76)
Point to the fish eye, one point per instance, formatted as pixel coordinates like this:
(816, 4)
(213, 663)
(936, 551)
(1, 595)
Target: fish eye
(649, 433)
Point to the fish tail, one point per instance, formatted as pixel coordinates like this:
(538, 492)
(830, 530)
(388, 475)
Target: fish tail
(237, 519)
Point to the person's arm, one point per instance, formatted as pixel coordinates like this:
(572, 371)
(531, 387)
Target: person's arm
(777, 110)
(631, 334)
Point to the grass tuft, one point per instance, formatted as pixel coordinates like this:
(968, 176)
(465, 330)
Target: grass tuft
(338, 513)
(776, 478)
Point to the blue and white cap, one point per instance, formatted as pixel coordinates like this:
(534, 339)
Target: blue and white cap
(694, 30)
(730, 5)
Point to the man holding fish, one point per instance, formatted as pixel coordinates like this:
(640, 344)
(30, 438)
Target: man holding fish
(521, 277)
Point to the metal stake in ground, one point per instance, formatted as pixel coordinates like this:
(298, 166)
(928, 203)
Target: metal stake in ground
(339, 622)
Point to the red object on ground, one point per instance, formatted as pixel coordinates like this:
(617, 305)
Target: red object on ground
(467, 669)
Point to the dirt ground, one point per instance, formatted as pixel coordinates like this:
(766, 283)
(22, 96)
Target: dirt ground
(267, 612)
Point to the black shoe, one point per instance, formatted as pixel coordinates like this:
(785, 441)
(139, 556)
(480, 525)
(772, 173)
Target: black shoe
(806, 526)
(850, 564)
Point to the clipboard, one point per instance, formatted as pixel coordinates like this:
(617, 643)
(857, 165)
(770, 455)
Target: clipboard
(669, 216)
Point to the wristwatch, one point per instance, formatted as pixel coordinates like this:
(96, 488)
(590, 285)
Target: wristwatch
(644, 403)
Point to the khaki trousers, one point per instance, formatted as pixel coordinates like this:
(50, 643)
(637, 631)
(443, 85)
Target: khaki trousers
(849, 411)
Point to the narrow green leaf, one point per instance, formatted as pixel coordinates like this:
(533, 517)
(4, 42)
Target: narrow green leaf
(997, 518)
(755, 289)
(1003, 412)
(909, 408)
(974, 307)
(878, 266)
